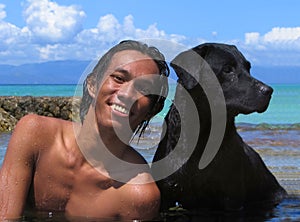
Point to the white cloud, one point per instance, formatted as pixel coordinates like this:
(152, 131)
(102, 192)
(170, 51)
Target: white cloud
(55, 32)
(282, 34)
(279, 46)
(214, 34)
(109, 28)
(2, 12)
(128, 26)
(251, 38)
(47, 50)
(109, 31)
(11, 36)
(50, 22)
(278, 37)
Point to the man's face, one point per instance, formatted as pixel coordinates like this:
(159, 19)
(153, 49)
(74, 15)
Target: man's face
(122, 97)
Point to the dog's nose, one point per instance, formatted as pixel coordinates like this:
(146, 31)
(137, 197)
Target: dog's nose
(265, 90)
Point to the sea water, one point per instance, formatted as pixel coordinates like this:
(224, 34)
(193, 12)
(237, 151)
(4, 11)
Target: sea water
(284, 107)
(274, 134)
(37, 90)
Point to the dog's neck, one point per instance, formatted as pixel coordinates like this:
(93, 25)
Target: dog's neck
(230, 132)
(204, 114)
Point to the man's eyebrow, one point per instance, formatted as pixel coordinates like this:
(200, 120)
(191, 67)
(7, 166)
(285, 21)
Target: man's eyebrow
(126, 73)
(121, 70)
(129, 74)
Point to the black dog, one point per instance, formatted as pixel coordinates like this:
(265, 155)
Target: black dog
(236, 178)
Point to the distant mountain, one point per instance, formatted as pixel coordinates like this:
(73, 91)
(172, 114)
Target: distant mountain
(56, 72)
(69, 72)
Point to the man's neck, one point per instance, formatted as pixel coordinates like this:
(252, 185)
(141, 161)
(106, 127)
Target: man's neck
(100, 147)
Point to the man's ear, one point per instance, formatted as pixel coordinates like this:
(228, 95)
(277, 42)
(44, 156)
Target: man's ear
(91, 86)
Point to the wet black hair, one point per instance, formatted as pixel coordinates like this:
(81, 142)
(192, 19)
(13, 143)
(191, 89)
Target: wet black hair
(96, 76)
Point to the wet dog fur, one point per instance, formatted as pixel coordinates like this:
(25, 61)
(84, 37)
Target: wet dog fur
(237, 177)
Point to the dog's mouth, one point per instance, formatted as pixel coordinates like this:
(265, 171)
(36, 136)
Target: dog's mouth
(264, 105)
(264, 97)
(259, 104)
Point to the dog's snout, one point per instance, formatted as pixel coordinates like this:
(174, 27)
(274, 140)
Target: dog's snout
(265, 90)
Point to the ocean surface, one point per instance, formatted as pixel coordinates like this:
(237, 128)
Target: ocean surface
(283, 109)
(274, 134)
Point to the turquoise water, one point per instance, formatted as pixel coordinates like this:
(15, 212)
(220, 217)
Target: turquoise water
(284, 107)
(275, 134)
(37, 90)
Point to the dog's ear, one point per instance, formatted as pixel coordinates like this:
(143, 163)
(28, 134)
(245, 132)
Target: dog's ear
(188, 66)
(180, 64)
(202, 49)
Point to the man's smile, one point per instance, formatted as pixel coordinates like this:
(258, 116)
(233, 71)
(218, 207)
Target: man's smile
(120, 109)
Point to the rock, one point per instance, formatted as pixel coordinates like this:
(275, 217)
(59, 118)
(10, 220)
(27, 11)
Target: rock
(13, 108)
(7, 121)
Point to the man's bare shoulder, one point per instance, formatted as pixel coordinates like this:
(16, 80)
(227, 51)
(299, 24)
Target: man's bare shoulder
(34, 129)
(41, 123)
(144, 198)
(141, 191)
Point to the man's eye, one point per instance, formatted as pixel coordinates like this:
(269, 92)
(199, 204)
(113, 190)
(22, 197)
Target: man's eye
(118, 78)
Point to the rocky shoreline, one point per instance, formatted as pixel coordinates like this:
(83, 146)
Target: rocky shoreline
(13, 108)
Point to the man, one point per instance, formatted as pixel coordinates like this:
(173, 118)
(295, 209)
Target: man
(89, 169)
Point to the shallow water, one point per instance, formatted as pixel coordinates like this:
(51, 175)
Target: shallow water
(288, 210)
(279, 147)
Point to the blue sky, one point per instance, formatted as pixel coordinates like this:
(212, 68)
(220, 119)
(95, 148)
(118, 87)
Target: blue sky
(266, 31)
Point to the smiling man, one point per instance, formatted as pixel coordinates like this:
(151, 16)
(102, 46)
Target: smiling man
(89, 169)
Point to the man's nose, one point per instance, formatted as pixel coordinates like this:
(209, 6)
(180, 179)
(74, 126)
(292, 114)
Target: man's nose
(127, 91)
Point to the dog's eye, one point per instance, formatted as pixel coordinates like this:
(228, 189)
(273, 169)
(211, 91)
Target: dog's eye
(228, 69)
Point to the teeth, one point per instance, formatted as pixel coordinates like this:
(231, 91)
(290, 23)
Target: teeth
(120, 109)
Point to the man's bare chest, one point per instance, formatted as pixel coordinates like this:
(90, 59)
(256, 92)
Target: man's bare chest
(54, 188)
(50, 190)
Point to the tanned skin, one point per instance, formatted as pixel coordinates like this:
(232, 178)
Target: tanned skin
(45, 168)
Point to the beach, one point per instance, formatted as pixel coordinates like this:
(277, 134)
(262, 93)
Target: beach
(275, 135)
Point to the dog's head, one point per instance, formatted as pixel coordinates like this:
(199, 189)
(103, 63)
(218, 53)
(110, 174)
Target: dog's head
(242, 92)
